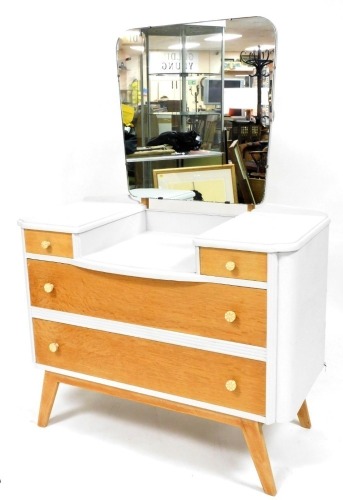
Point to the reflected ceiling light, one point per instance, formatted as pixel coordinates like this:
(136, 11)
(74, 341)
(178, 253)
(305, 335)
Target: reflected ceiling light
(262, 47)
(187, 45)
(139, 48)
(219, 37)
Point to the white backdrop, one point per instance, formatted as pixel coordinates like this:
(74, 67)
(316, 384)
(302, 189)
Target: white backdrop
(61, 136)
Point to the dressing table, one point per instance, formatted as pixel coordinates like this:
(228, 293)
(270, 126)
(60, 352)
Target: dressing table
(208, 309)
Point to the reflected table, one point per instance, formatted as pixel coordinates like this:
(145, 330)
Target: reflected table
(180, 158)
(162, 194)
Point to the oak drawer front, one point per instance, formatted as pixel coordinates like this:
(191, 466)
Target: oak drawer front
(233, 264)
(196, 308)
(214, 378)
(48, 243)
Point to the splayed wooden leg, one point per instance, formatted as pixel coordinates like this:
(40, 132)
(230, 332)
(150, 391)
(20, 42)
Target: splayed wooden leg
(49, 390)
(304, 416)
(254, 438)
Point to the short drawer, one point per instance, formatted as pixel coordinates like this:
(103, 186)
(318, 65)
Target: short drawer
(233, 264)
(214, 378)
(212, 310)
(48, 243)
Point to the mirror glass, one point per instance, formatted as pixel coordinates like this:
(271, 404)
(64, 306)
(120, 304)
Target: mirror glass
(196, 105)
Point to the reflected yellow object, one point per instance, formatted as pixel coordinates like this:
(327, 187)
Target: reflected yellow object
(127, 113)
(136, 93)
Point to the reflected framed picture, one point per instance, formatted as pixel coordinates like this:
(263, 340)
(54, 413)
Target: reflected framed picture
(215, 183)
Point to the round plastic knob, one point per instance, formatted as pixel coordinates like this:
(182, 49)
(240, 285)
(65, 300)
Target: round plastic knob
(48, 287)
(230, 316)
(53, 347)
(231, 385)
(230, 265)
(45, 244)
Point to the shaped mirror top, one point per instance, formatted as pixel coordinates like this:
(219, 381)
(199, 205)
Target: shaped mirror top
(196, 104)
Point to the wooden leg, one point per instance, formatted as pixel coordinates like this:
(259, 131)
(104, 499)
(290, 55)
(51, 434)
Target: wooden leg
(304, 416)
(252, 431)
(49, 390)
(254, 438)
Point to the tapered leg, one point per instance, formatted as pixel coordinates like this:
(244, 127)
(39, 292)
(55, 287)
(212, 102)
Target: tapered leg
(254, 438)
(304, 416)
(49, 390)
(252, 431)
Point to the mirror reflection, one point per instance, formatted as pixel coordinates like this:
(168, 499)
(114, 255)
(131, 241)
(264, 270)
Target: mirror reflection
(196, 103)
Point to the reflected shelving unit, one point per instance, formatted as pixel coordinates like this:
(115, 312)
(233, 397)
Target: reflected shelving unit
(165, 75)
(177, 79)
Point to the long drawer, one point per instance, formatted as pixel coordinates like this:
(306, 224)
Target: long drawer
(212, 310)
(214, 378)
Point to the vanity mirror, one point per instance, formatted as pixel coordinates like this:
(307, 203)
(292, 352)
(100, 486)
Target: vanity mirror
(214, 78)
(212, 310)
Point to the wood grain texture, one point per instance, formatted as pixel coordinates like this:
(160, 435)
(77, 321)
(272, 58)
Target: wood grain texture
(181, 371)
(254, 438)
(57, 378)
(248, 265)
(304, 416)
(187, 307)
(61, 244)
(49, 391)
(252, 431)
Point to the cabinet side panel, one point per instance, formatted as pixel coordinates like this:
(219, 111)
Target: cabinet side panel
(301, 323)
(109, 234)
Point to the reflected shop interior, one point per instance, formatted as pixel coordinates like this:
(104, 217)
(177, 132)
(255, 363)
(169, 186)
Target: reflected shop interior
(196, 104)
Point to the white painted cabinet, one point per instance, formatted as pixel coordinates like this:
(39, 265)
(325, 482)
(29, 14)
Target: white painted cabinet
(210, 311)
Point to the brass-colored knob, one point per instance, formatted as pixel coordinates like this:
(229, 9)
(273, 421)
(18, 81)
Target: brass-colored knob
(48, 287)
(53, 347)
(230, 316)
(45, 244)
(230, 265)
(231, 385)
